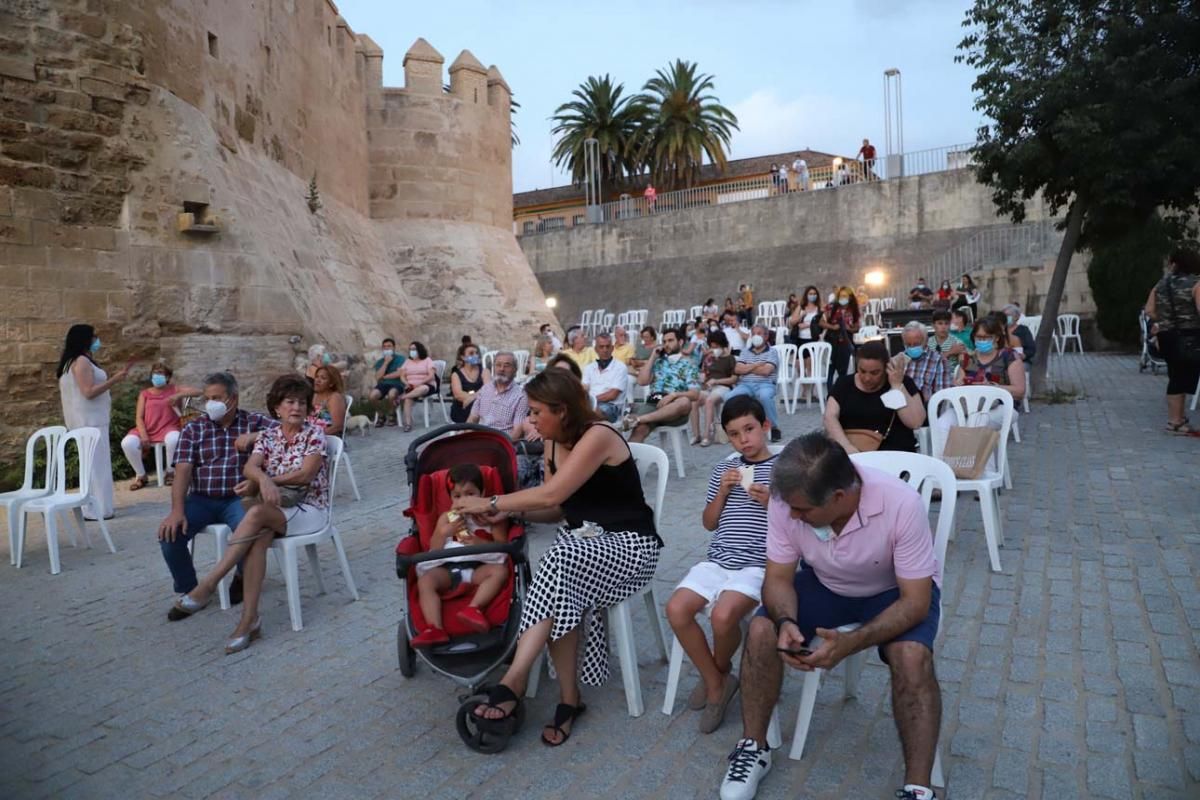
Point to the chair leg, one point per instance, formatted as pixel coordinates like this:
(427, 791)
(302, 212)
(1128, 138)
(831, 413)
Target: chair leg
(1016, 432)
(656, 622)
(159, 475)
(291, 576)
(221, 537)
(674, 670)
(937, 778)
(112, 548)
(774, 735)
(14, 514)
(854, 666)
(987, 507)
(78, 524)
(345, 564)
(620, 623)
(77, 512)
(350, 475)
(52, 542)
(821, 396)
(425, 409)
(314, 564)
(675, 435)
(808, 700)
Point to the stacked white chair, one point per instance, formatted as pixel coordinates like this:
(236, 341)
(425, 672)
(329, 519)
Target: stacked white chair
(887, 303)
(585, 321)
(607, 325)
(48, 438)
(620, 616)
(814, 372)
(973, 405)
(60, 499)
(922, 473)
(694, 313)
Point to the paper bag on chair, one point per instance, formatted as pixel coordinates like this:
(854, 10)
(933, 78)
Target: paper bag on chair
(968, 449)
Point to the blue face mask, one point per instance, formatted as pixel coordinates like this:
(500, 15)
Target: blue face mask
(326, 359)
(843, 301)
(1009, 319)
(914, 352)
(95, 348)
(986, 346)
(472, 360)
(158, 380)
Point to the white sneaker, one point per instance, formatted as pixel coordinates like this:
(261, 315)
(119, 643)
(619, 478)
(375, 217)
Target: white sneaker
(912, 791)
(748, 764)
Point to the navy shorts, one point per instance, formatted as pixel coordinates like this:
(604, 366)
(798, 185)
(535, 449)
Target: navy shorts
(818, 607)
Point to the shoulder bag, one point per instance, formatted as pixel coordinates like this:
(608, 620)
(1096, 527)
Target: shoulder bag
(866, 440)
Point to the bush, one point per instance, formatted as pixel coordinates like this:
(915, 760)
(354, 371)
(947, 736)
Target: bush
(1122, 272)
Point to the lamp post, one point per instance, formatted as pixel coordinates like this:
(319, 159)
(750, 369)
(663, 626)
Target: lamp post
(893, 122)
(591, 179)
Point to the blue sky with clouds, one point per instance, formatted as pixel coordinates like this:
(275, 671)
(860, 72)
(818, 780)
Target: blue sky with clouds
(797, 73)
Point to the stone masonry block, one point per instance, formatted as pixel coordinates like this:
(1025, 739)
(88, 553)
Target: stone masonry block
(38, 352)
(21, 70)
(15, 230)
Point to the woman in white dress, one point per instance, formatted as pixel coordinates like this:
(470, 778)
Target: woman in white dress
(87, 403)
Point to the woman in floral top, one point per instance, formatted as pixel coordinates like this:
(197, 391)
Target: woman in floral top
(290, 454)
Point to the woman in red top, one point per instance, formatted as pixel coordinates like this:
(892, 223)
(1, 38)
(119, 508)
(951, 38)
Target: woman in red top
(156, 421)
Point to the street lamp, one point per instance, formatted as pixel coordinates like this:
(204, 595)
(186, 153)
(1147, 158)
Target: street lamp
(893, 121)
(591, 178)
(876, 278)
(551, 302)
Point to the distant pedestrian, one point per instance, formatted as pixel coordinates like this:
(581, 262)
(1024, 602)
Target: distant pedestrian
(651, 196)
(800, 167)
(783, 178)
(867, 154)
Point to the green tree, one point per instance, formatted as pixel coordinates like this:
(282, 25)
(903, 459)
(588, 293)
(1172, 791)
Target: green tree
(1122, 272)
(685, 123)
(1093, 103)
(598, 112)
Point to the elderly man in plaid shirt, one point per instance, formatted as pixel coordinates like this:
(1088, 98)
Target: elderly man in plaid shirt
(212, 452)
(926, 365)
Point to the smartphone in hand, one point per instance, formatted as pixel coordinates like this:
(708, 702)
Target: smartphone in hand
(803, 651)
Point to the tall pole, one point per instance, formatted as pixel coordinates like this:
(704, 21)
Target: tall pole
(591, 179)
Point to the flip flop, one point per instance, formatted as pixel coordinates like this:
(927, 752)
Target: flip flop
(138, 483)
(563, 714)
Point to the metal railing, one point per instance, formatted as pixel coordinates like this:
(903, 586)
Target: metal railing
(847, 173)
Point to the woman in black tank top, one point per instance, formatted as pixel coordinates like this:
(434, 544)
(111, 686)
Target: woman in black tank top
(592, 477)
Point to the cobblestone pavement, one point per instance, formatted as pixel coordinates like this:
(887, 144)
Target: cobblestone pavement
(1072, 674)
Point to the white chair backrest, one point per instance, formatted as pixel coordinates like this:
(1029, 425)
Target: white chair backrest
(48, 437)
(647, 456)
(873, 306)
(333, 458)
(694, 312)
(781, 335)
(642, 314)
(86, 440)
(623, 319)
(439, 367)
(765, 309)
(888, 303)
(1068, 324)
(1033, 323)
(787, 360)
(923, 474)
(522, 360)
(869, 331)
(819, 355)
(968, 401)
(608, 322)
(489, 359)
(586, 319)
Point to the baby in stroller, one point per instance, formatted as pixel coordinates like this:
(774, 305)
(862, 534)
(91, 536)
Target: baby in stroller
(451, 576)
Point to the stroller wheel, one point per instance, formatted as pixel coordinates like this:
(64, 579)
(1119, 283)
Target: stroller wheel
(407, 656)
(483, 735)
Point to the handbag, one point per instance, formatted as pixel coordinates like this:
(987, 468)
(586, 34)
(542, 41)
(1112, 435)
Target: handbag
(866, 440)
(968, 449)
(1187, 340)
(289, 496)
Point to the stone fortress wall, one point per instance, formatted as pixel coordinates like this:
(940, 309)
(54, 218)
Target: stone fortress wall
(118, 115)
(782, 244)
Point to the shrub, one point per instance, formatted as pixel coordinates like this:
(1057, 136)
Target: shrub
(1122, 272)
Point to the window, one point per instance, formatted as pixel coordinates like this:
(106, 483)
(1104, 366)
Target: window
(578, 219)
(553, 223)
(212, 44)
(527, 228)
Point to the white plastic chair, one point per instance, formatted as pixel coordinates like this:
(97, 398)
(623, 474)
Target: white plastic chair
(814, 374)
(869, 332)
(429, 399)
(1033, 323)
(522, 357)
(766, 310)
(488, 359)
(585, 321)
(1067, 331)
(597, 320)
(86, 440)
(286, 547)
(921, 473)
(344, 461)
(887, 303)
(970, 403)
(1195, 396)
(12, 501)
(673, 434)
(640, 319)
(786, 374)
(694, 312)
(608, 323)
(781, 335)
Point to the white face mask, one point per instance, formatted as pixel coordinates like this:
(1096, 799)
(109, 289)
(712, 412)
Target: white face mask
(673, 357)
(824, 533)
(412, 354)
(717, 351)
(756, 341)
(216, 410)
(389, 353)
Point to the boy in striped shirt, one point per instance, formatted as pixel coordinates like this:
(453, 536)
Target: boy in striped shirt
(730, 578)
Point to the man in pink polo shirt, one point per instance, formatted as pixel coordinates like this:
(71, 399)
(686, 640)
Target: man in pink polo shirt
(845, 545)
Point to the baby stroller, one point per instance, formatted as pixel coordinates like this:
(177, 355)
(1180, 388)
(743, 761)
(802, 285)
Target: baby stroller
(1150, 356)
(469, 656)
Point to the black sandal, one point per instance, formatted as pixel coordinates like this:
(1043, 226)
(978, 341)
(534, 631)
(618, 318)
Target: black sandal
(485, 735)
(563, 714)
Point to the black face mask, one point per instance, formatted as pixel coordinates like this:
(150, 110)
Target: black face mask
(604, 362)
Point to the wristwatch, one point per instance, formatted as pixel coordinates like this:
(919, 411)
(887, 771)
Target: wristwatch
(779, 623)
(495, 499)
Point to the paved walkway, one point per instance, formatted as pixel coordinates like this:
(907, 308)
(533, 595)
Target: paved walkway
(1072, 674)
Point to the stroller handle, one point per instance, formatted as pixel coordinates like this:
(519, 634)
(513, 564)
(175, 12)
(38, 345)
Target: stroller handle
(410, 459)
(514, 549)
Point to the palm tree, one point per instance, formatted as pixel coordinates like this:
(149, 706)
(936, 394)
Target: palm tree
(598, 112)
(684, 125)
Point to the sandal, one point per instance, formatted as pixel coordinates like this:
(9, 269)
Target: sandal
(169, 480)
(1177, 428)
(139, 482)
(705, 442)
(563, 714)
(495, 696)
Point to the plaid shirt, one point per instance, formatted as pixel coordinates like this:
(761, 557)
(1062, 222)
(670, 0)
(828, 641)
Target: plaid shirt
(501, 410)
(216, 463)
(678, 376)
(930, 373)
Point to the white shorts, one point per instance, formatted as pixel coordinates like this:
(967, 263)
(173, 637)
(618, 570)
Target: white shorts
(304, 519)
(708, 580)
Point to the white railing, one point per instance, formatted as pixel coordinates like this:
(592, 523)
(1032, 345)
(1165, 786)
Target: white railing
(847, 173)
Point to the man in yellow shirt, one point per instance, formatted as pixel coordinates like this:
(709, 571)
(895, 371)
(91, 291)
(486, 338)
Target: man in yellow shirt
(578, 349)
(622, 349)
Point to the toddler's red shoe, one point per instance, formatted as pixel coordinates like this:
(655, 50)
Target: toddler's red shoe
(473, 618)
(429, 637)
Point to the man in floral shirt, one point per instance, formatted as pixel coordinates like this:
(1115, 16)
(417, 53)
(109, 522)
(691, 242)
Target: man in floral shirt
(674, 382)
